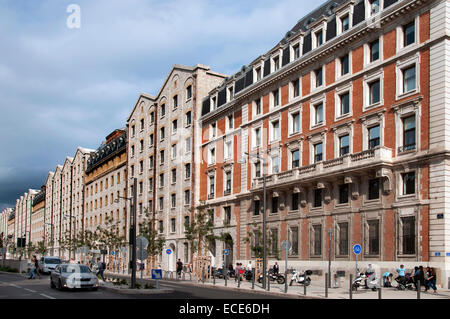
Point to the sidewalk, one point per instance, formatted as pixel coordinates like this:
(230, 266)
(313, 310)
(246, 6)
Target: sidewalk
(316, 290)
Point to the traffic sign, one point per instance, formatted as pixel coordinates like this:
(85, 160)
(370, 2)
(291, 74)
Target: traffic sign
(168, 251)
(357, 249)
(113, 253)
(141, 241)
(285, 245)
(226, 252)
(156, 274)
(141, 254)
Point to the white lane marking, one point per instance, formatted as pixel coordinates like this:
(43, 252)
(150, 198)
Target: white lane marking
(46, 296)
(29, 290)
(15, 286)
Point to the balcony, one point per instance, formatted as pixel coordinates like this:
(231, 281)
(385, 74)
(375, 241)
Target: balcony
(211, 196)
(344, 164)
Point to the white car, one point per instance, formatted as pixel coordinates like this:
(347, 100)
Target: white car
(48, 263)
(73, 276)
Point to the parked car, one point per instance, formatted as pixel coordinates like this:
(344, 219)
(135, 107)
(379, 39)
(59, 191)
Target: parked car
(48, 263)
(73, 276)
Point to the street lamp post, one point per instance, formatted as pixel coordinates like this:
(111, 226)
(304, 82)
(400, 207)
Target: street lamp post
(132, 233)
(330, 233)
(264, 218)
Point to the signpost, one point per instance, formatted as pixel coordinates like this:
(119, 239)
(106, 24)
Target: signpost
(157, 275)
(168, 252)
(286, 245)
(357, 250)
(141, 252)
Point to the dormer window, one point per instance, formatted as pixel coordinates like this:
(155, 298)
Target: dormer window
(258, 74)
(214, 102)
(276, 63)
(374, 6)
(319, 38)
(296, 49)
(230, 93)
(345, 23)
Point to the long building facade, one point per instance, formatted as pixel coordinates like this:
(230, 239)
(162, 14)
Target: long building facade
(342, 124)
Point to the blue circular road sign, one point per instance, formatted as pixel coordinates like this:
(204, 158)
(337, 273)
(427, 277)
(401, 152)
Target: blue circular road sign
(226, 252)
(357, 249)
(168, 251)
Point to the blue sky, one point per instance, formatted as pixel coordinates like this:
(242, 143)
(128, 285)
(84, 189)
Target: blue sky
(61, 88)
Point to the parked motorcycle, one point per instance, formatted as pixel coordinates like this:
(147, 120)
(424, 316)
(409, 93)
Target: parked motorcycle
(279, 278)
(301, 278)
(372, 282)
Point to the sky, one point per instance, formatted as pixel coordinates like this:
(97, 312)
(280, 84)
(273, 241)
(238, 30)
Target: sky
(62, 87)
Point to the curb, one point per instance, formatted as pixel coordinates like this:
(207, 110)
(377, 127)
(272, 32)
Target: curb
(137, 291)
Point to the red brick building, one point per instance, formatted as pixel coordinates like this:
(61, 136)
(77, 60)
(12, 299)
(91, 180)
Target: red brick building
(343, 117)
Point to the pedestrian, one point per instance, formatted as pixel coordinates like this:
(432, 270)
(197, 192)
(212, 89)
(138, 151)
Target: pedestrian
(36, 267)
(237, 272)
(401, 274)
(179, 267)
(421, 276)
(387, 279)
(32, 269)
(101, 269)
(276, 268)
(431, 280)
(416, 277)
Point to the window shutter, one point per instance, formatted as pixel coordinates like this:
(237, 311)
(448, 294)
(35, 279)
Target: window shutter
(359, 13)
(307, 44)
(286, 55)
(331, 29)
(239, 86)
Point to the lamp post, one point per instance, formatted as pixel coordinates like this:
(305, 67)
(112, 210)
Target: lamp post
(330, 234)
(132, 233)
(264, 217)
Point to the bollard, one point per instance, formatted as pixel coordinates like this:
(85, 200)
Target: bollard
(379, 293)
(418, 289)
(214, 277)
(268, 283)
(239, 280)
(225, 277)
(326, 285)
(351, 288)
(304, 287)
(184, 276)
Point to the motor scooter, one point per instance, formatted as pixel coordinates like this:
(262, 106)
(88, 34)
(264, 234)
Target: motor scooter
(301, 278)
(372, 282)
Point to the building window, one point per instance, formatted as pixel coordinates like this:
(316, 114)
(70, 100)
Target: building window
(258, 169)
(211, 186)
(374, 92)
(187, 169)
(230, 122)
(133, 130)
(212, 129)
(150, 162)
(409, 183)
(275, 126)
(374, 48)
(344, 103)
(174, 176)
(257, 207)
(189, 92)
(374, 136)
(344, 145)
(318, 114)
(296, 88)
(294, 240)
(409, 79)
(343, 194)
(319, 38)
(295, 122)
(175, 101)
(295, 154)
(409, 133)
(161, 157)
(296, 49)
(317, 240)
(161, 180)
(374, 189)
(228, 182)
(295, 201)
(318, 77)
(188, 118)
(343, 239)
(276, 63)
(161, 226)
(151, 140)
(174, 151)
(374, 237)
(163, 110)
(275, 164)
(173, 225)
(317, 198)
(186, 222)
(161, 203)
(257, 137)
(187, 145)
(276, 98)
(227, 213)
(258, 107)
(274, 205)
(174, 126)
(258, 74)
(162, 133)
(174, 200)
(408, 235)
(318, 152)
(374, 6)
(228, 149)
(212, 156)
(409, 34)
(150, 184)
(345, 23)
(230, 93)
(141, 167)
(345, 64)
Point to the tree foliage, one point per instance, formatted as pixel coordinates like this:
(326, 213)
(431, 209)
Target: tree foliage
(255, 239)
(156, 241)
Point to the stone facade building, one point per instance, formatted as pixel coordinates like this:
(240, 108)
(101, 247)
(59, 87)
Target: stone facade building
(346, 119)
(37, 217)
(162, 131)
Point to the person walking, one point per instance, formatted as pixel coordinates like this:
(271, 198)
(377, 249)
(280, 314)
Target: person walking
(421, 277)
(416, 277)
(276, 268)
(179, 268)
(36, 267)
(431, 280)
(101, 269)
(32, 269)
(237, 272)
(401, 274)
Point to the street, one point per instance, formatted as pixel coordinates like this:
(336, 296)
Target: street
(17, 286)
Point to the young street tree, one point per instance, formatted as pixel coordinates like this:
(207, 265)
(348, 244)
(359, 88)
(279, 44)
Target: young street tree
(255, 239)
(156, 241)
